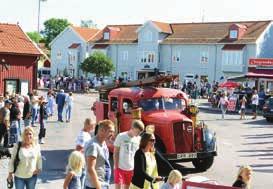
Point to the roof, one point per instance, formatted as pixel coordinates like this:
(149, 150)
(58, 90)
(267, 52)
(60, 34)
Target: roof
(190, 33)
(13, 40)
(85, 33)
(127, 34)
(214, 32)
(164, 27)
(74, 45)
(233, 47)
(100, 46)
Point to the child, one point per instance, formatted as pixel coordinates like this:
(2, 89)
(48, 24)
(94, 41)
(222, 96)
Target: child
(173, 181)
(244, 177)
(243, 108)
(74, 169)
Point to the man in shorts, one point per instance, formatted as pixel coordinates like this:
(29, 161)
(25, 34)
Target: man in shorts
(97, 157)
(255, 103)
(125, 146)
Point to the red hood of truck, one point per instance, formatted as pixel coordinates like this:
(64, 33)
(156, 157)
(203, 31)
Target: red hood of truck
(165, 117)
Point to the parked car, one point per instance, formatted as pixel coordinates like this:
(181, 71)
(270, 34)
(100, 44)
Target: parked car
(268, 109)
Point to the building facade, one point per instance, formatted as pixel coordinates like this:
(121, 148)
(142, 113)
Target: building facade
(207, 50)
(18, 61)
(69, 49)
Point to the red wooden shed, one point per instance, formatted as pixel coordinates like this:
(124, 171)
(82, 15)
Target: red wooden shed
(18, 60)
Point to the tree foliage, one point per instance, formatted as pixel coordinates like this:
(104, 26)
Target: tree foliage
(34, 36)
(53, 27)
(99, 64)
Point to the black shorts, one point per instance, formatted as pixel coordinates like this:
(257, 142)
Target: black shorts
(254, 108)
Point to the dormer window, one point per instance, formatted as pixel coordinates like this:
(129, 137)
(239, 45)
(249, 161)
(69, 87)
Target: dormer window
(233, 34)
(106, 35)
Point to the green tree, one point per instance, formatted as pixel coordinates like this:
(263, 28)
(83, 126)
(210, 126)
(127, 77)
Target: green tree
(34, 36)
(99, 64)
(53, 27)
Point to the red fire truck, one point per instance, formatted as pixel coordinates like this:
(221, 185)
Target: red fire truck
(178, 136)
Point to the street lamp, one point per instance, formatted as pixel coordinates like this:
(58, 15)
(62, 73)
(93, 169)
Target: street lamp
(39, 7)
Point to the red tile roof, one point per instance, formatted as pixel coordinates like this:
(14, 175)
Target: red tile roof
(13, 40)
(164, 27)
(127, 34)
(190, 33)
(86, 33)
(74, 45)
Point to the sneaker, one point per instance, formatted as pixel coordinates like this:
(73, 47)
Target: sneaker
(41, 141)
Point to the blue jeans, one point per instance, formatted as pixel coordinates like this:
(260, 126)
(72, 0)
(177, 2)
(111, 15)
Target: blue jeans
(34, 115)
(60, 113)
(68, 112)
(29, 183)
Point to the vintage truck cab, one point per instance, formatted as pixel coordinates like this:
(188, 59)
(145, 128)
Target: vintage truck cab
(178, 136)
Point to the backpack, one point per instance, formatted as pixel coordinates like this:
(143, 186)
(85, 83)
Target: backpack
(1, 115)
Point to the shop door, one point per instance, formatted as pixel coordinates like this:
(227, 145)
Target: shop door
(11, 86)
(24, 86)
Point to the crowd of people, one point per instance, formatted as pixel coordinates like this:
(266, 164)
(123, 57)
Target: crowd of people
(137, 164)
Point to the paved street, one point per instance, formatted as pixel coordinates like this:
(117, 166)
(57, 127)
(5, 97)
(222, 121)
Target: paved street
(239, 142)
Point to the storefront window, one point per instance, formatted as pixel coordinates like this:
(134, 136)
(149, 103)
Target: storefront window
(11, 86)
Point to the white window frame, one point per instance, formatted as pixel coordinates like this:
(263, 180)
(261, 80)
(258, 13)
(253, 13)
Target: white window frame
(59, 55)
(204, 57)
(145, 55)
(176, 57)
(106, 35)
(233, 34)
(125, 55)
(232, 58)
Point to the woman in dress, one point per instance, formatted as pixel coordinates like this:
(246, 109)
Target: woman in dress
(30, 164)
(148, 163)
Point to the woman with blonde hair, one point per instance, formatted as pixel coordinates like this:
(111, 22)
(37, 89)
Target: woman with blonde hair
(243, 178)
(148, 163)
(174, 178)
(74, 171)
(26, 162)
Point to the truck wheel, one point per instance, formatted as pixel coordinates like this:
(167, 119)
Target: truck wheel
(203, 164)
(269, 119)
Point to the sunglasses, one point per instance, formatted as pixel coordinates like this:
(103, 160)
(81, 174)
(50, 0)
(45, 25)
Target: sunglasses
(152, 140)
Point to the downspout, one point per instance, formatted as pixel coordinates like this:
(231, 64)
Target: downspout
(171, 69)
(117, 62)
(215, 63)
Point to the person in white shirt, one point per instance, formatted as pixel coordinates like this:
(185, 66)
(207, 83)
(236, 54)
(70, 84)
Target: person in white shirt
(223, 102)
(68, 102)
(2, 104)
(125, 146)
(83, 138)
(255, 103)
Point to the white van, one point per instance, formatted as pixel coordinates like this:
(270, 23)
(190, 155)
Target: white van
(44, 72)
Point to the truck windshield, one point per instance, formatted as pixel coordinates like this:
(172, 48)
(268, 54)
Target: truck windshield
(161, 104)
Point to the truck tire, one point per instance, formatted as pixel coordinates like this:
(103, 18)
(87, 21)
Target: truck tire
(203, 164)
(269, 119)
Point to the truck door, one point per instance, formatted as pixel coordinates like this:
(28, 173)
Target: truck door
(126, 114)
(113, 109)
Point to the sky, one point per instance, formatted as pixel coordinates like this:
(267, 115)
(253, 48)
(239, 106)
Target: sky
(103, 12)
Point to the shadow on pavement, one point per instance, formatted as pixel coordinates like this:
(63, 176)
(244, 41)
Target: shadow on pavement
(54, 164)
(258, 136)
(259, 122)
(185, 170)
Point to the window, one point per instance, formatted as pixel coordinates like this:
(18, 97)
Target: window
(125, 55)
(233, 34)
(232, 58)
(59, 55)
(204, 57)
(148, 36)
(147, 57)
(127, 106)
(176, 56)
(106, 35)
(114, 104)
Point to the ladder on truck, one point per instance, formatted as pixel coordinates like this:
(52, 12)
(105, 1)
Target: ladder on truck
(154, 81)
